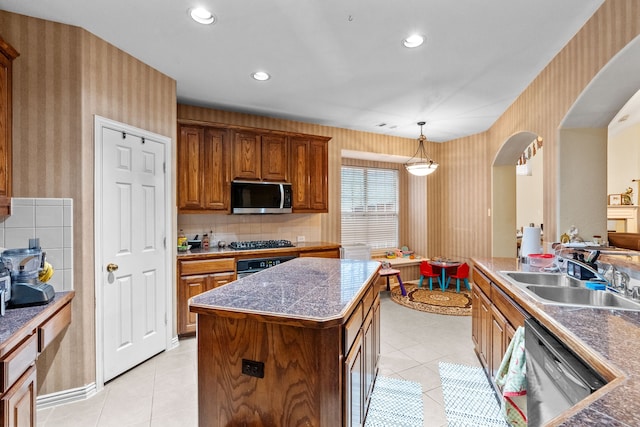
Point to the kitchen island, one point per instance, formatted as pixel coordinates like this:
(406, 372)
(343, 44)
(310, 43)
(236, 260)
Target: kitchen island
(606, 339)
(295, 344)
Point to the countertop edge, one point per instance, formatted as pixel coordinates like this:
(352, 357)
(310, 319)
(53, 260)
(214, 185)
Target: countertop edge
(289, 318)
(61, 299)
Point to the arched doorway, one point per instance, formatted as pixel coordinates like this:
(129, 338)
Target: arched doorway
(503, 191)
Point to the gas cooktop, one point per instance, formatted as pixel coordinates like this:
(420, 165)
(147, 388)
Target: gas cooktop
(261, 244)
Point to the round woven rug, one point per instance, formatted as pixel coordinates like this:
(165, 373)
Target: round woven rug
(448, 302)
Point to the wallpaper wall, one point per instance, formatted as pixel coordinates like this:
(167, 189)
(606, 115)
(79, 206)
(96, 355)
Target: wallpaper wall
(63, 76)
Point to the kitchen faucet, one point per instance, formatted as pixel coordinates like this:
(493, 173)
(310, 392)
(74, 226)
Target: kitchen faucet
(615, 280)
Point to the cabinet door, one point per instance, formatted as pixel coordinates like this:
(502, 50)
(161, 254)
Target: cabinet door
(353, 383)
(300, 177)
(274, 158)
(215, 189)
(7, 55)
(309, 171)
(325, 253)
(498, 340)
(246, 155)
(221, 279)
(318, 175)
(368, 330)
(484, 322)
(190, 167)
(189, 286)
(19, 403)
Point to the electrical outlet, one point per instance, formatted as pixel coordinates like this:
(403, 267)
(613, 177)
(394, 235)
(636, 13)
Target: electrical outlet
(300, 238)
(253, 368)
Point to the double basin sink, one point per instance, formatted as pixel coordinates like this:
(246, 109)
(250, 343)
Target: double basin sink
(560, 289)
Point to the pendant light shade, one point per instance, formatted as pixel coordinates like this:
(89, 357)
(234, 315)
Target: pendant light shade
(421, 164)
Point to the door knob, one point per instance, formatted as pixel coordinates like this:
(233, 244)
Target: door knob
(111, 267)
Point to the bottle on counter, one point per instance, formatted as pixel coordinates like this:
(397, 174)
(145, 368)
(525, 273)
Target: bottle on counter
(182, 238)
(205, 241)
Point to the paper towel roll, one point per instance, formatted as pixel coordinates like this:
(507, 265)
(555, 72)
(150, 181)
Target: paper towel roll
(530, 241)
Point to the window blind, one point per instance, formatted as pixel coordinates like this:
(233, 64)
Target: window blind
(369, 206)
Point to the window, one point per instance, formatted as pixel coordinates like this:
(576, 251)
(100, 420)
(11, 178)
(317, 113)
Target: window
(369, 206)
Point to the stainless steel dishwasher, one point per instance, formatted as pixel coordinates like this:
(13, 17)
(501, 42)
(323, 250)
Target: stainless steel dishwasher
(556, 378)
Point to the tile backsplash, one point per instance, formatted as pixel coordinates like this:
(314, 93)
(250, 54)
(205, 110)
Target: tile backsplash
(234, 228)
(51, 220)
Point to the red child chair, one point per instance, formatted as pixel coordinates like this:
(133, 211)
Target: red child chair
(427, 271)
(461, 274)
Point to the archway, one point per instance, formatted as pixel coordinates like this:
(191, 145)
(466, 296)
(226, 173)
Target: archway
(582, 143)
(503, 191)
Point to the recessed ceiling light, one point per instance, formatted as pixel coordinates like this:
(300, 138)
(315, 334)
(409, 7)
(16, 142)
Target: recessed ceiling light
(202, 15)
(261, 76)
(412, 41)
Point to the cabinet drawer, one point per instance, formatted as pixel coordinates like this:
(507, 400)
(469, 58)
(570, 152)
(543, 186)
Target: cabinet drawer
(53, 326)
(205, 266)
(352, 327)
(14, 364)
(482, 282)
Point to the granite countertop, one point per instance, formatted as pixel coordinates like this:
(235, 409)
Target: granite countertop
(23, 320)
(215, 251)
(318, 290)
(604, 336)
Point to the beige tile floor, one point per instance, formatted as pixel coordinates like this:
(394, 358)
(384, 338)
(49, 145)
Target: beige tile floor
(162, 391)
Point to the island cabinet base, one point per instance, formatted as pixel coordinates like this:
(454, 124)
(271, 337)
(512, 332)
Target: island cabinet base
(301, 383)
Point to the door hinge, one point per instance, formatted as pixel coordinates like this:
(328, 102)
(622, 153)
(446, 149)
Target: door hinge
(164, 242)
(165, 318)
(164, 167)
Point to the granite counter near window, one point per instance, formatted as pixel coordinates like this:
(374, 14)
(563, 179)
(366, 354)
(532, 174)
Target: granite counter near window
(289, 345)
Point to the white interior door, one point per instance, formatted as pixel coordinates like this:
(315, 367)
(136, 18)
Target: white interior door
(133, 253)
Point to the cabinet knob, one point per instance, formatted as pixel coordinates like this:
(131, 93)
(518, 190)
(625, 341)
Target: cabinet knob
(111, 267)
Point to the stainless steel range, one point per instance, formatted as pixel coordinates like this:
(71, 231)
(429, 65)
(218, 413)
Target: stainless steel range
(244, 267)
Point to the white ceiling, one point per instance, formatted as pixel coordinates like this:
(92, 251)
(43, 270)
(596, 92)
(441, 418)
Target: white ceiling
(340, 62)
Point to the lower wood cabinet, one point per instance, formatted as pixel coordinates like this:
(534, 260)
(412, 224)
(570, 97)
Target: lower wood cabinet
(324, 253)
(18, 355)
(196, 277)
(361, 360)
(19, 403)
(495, 317)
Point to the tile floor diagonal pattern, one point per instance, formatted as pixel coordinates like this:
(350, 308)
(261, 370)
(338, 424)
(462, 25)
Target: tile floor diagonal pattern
(162, 391)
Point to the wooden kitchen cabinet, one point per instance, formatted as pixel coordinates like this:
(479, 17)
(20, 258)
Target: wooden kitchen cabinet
(7, 55)
(30, 335)
(309, 164)
(362, 357)
(202, 169)
(323, 253)
(495, 317)
(259, 156)
(19, 403)
(196, 277)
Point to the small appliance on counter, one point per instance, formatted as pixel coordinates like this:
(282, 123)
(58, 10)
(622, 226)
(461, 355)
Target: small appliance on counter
(5, 287)
(24, 266)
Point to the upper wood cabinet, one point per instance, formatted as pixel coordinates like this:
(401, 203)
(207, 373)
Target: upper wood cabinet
(202, 169)
(211, 155)
(259, 156)
(7, 55)
(309, 173)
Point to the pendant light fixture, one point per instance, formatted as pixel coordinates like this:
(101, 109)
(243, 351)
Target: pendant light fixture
(421, 164)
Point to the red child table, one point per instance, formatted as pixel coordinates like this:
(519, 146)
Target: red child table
(388, 272)
(443, 264)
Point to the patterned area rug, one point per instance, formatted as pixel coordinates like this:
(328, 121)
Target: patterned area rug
(448, 302)
(469, 399)
(395, 403)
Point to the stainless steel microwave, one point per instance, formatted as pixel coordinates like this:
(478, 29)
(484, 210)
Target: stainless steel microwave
(254, 197)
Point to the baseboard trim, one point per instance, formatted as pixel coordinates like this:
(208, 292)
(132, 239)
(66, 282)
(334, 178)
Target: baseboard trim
(66, 396)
